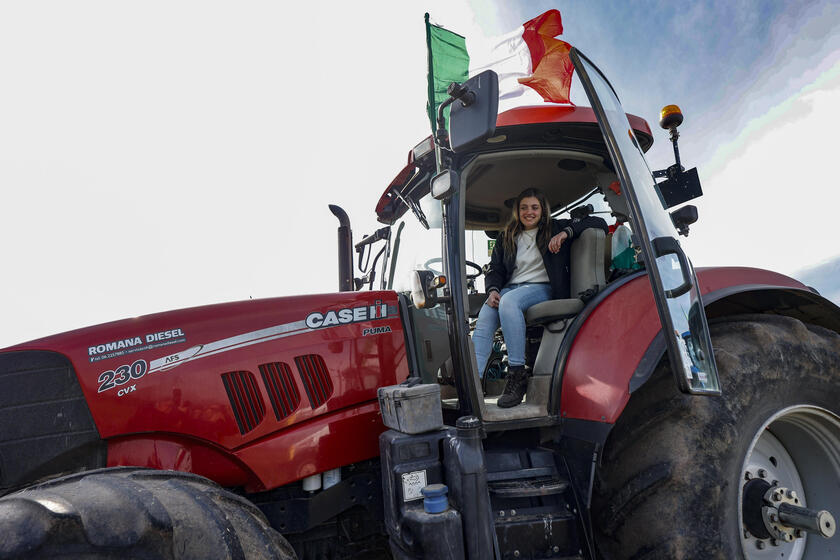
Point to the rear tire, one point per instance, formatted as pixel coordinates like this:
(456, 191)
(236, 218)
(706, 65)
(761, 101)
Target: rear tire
(125, 512)
(674, 467)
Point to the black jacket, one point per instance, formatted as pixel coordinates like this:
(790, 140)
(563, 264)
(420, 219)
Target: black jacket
(556, 264)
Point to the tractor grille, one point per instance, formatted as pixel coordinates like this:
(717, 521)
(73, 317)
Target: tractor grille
(248, 408)
(315, 377)
(282, 391)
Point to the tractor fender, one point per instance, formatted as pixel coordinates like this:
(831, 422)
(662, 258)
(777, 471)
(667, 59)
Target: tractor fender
(615, 344)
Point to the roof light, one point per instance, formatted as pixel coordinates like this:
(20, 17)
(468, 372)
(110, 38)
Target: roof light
(670, 117)
(424, 148)
(444, 184)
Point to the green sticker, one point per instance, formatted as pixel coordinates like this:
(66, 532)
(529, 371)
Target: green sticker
(490, 244)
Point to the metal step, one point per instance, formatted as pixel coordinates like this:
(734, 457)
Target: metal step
(528, 488)
(527, 536)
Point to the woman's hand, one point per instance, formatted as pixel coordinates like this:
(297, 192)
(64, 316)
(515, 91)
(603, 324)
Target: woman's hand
(493, 299)
(557, 241)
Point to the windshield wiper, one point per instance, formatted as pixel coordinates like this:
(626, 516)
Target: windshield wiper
(415, 209)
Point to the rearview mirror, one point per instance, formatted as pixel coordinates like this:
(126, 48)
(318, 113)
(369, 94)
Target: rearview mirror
(472, 118)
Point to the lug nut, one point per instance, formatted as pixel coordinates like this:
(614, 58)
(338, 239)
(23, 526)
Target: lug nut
(501, 513)
(777, 496)
(799, 533)
(773, 517)
(762, 473)
(516, 554)
(760, 545)
(556, 549)
(747, 533)
(774, 542)
(747, 475)
(513, 512)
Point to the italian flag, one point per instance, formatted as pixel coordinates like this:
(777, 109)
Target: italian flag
(527, 59)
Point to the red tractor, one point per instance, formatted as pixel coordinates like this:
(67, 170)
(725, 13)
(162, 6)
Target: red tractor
(669, 414)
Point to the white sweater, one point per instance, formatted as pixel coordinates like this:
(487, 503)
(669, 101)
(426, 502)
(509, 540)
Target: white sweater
(529, 262)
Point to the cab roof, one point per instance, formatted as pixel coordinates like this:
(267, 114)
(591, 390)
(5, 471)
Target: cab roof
(534, 132)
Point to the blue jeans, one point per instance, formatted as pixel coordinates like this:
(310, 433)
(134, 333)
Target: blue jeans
(515, 300)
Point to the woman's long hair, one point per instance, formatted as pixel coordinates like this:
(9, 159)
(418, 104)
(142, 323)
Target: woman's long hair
(514, 225)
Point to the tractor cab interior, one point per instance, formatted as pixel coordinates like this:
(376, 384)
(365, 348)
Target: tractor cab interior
(568, 161)
(576, 183)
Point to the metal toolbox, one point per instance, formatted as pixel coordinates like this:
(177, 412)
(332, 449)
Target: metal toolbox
(411, 408)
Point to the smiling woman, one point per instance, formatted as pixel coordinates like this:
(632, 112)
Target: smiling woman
(529, 265)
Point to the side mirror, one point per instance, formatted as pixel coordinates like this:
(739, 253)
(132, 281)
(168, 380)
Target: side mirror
(424, 285)
(472, 118)
(683, 218)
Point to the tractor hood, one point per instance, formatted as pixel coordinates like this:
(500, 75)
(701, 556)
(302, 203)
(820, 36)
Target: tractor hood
(233, 373)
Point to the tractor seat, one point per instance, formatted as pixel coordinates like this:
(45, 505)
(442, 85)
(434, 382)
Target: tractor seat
(587, 275)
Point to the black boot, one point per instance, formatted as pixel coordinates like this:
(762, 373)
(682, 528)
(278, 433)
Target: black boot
(517, 384)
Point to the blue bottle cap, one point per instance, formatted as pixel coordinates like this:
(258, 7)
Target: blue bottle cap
(434, 490)
(434, 498)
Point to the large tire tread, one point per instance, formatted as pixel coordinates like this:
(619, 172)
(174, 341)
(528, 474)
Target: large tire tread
(669, 472)
(127, 512)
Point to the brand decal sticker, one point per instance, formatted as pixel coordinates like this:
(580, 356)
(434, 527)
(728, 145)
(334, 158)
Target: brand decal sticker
(347, 315)
(133, 344)
(316, 320)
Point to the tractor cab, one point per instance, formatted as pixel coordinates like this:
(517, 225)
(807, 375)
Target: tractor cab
(449, 203)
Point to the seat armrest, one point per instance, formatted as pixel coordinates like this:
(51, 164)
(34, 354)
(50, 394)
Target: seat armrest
(553, 310)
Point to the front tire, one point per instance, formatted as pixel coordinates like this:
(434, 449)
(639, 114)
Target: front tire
(674, 468)
(122, 513)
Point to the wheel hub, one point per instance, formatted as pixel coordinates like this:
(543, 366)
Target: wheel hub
(796, 449)
(775, 513)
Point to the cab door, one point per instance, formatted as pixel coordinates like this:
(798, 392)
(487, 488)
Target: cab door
(672, 277)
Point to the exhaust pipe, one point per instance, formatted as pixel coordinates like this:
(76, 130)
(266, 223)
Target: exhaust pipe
(345, 250)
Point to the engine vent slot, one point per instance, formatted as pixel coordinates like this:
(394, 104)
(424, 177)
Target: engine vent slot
(282, 391)
(245, 400)
(315, 377)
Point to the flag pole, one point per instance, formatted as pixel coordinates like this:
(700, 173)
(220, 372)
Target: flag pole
(430, 107)
(431, 92)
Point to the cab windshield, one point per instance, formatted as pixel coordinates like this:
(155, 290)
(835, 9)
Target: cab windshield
(414, 246)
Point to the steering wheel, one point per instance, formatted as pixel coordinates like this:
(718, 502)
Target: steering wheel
(437, 260)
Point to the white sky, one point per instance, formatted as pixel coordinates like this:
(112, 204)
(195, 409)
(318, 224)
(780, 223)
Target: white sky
(771, 191)
(164, 154)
